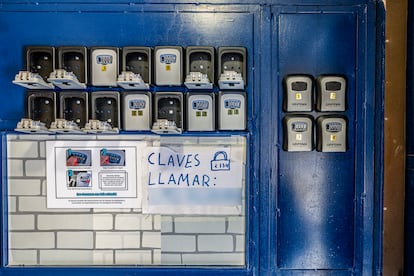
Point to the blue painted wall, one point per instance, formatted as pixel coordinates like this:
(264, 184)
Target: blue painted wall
(310, 213)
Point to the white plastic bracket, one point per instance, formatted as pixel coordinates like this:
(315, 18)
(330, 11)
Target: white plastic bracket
(65, 80)
(32, 127)
(31, 80)
(64, 126)
(231, 80)
(130, 80)
(162, 126)
(197, 80)
(98, 127)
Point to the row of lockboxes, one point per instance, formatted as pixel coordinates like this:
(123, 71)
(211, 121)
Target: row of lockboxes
(299, 96)
(134, 67)
(140, 111)
(331, 133)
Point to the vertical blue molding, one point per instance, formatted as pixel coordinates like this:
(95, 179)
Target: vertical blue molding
(267, 139)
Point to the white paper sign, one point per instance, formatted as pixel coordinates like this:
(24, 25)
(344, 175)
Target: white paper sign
(193, 180)
(94, 174)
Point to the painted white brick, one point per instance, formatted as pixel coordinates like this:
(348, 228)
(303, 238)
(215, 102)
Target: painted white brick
(156, 256)
(200, 225)
(24, 187)
(214, 259)
(38, 204)
(122, 137)
(22, 149)
(21, 222)
(166, 224)
(36, 167)
(31, 240)
(44, 187)
(22, 257)
(215, 243)
(178, 243)
(133, 257)
(236, 225)
(42, 149)
(73, 257)
(157, 222)
(133, 222)
(12, 203)
(76, 137)
(240, 243)
(75, 240)
(117, 240)
(179, 140)
(171, 259)
(14, 167)
(120, 210)
(151, 239)
(103, 257)
(35, 137)
(75, 222)
(32, 204)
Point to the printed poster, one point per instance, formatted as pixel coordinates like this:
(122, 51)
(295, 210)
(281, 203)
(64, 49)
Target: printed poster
(194, 180)
(94, 174)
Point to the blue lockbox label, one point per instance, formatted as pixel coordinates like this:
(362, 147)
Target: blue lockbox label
(200, 104)
(104, 59)
(168, 58)
(334, 127)
(299, 126)
(232, 103)
(137, 104)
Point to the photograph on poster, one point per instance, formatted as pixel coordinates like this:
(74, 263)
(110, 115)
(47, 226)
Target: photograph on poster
(79, 179)
(76, 158)
(112, 157)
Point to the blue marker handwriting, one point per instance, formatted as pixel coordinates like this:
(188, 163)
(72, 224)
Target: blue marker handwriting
(174, 160)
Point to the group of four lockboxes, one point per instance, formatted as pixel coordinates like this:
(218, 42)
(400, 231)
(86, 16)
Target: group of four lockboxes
(80, 73)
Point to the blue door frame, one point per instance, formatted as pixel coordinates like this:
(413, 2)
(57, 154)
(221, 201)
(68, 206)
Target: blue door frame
(294, 199)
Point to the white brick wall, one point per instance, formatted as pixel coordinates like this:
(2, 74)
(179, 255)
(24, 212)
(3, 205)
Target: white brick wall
(75, 222)
(151, 239)
(12, 204)
(75, 240)
(126, 257)
(118, 240)
(133, 222)
(42, 236)
(24, 187)
(31, 240)
(103, 257)
(236, 225)
(36, 167)
(178, 243)
(14, 168)
(72, 257)
(22, 257)
(22, 149)
(21, 222)
(166, 224)
(214, 259)
(215, 243)
(240, 243)
(200, 224)
(32, 204)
